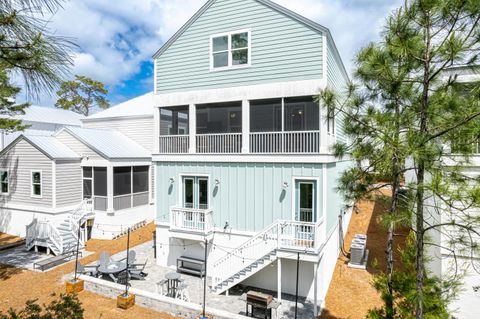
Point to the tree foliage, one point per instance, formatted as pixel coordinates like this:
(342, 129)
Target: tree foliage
(63, 307)
(28, 47)
(82, 94)
(8, 107)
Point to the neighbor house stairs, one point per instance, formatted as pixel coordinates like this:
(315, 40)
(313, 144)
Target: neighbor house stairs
(262, 250)
(59, 238)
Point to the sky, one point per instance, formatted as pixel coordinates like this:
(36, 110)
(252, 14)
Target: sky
(116, 39)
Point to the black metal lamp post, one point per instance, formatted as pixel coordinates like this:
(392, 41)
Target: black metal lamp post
(296, 288)
(205, 281)
(78, 247)
(126, 269)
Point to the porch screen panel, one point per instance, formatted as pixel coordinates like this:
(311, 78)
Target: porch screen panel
(174, 121)
(140, 179)
(100, 181)
(122, 181)
(87, 182)
(266, 115)
(301, 114)
(219, 118)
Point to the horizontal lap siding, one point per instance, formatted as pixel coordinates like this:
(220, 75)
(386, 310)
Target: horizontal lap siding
(282, 49)
(69, 183)
(78, 147)
(337, 81)
(249, 196)
(19, 161)
(139, 130)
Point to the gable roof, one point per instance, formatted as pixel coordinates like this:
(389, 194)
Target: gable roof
(43, 114)
(293, 15)
(48, 145)
(108, 143)
(136, 107)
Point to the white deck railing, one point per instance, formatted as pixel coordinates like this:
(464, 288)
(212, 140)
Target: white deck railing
(283, 234)
(191, 219)
(305, 142)
(174, 144)
(230, 143)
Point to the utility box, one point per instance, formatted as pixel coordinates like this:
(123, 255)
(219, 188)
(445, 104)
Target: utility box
(359, 252)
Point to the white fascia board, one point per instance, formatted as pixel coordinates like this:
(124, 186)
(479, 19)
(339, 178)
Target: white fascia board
(39, 209)
(116, 118)
(115, 163)
(240, 93)
(247, 158)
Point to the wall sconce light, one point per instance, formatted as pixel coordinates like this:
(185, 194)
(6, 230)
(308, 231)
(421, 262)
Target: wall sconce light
(285, 185)
(217, 181)
(357, 210)
(171, 180)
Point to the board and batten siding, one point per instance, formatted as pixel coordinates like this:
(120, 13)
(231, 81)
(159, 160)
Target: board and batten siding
(78, 147)
(139, 130)
(335, 202)
(68, 183)
(283, 50)
(20, 160)
(249, 196)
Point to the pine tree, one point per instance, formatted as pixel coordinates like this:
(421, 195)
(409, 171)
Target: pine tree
(8, 107)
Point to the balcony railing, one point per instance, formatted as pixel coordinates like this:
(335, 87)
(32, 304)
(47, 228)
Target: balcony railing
(229, 143)
(305, 142)
(191, 219)
(174, 144)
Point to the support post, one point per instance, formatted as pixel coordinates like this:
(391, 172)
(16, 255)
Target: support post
(192, 128)
(315, 290)
(110, 210)
(279, 279)
(205, 281)
(245, 126)
(296, 285)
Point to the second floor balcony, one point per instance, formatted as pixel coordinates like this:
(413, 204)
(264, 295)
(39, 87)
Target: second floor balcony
(274, 126)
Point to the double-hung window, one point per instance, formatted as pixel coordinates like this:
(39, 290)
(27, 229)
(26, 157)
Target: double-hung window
(36, 179)
(231, 50)
(4, 182)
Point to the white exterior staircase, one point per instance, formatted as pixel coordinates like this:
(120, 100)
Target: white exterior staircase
(61, 238)
(262, 249)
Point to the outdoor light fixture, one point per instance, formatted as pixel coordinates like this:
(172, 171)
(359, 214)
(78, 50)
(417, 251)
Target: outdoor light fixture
(217, 181)
(285, 185)
(356, 209)
(172, 180)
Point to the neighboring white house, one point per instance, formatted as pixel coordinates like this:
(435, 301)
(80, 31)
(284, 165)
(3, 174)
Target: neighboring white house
(98, 175)
(242, 149)
(41, 121)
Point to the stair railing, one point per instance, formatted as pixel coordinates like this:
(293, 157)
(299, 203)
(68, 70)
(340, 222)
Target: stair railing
(246, 254)
(55, 238)
(31, 233)
(85, 207)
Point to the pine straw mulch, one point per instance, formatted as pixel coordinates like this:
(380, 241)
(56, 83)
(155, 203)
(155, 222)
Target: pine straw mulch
(351, 294)
(19, 285)
(6, 239)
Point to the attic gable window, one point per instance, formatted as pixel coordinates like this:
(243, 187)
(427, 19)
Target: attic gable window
(230, 50)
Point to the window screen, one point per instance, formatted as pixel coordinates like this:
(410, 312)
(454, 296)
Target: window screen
(219, 118)
(301, 114)
(140, 179)
(100, 181)
(122, 184)
(266, 115)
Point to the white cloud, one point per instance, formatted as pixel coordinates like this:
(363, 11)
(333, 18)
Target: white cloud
(115, 37)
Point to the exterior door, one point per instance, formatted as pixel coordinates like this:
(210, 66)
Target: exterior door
(305, 203)
(195, 196)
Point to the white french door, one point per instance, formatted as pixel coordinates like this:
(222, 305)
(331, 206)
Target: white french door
(195, 192)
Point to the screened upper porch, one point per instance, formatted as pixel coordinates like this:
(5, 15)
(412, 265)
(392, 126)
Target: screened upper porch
(270, 126)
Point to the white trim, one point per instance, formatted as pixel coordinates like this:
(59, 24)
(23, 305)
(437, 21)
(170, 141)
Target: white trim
(317, 195)
(54, 184)
(154, 76)
(31, 183)
(324, 201)
(240, 93)
(247, 158)
(39, 209)
(229, 51)
(325, 56)
(8, 182)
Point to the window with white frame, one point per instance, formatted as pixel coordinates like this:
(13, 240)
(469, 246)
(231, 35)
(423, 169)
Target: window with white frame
(36, 184)
(4, 182)
(230, 50)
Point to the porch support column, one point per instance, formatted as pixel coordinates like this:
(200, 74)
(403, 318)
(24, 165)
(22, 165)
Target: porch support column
(156, 130)
(110, 210)
(245, 126)
(192, 128)
(315, 289)
(279, 279)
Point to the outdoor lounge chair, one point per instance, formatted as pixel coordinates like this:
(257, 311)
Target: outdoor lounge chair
(123, 278)
(104, 258)
(131, 257)
(87, 270)
(137, 271)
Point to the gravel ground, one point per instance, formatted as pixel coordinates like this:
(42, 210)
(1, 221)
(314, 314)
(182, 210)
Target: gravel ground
(6, 239)
(19, 285)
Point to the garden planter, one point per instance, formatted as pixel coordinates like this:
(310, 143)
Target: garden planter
(125, 302)
(75, 286)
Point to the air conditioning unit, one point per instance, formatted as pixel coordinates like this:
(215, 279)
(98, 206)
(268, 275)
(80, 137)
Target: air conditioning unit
(358, 252)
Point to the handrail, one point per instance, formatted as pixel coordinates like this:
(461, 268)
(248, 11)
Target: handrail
(191, 219)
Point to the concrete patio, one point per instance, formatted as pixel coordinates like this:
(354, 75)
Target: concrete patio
(230, 303)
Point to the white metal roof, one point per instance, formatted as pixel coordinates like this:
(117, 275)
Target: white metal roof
(51, 147)
(139, 106)
(109, 143)
(45, 114)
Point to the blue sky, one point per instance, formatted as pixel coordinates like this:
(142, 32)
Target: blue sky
(116, 39)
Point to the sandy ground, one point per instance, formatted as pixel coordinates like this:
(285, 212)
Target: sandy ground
(18, 285)
(351, 294)
(6, 239)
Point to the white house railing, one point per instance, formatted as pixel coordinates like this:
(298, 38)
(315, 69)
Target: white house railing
(304, 142)
(191, 219)
(228, 143)
(174, 144)
(283, 234)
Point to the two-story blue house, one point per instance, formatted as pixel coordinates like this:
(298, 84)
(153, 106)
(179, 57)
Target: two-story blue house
(242, 149)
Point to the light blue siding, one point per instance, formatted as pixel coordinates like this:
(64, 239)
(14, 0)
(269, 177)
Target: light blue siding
(249, 197)
(335, 202)
(283, 49)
